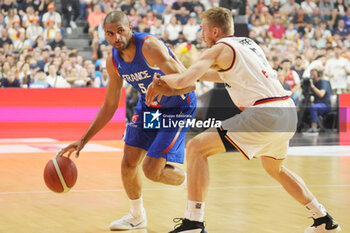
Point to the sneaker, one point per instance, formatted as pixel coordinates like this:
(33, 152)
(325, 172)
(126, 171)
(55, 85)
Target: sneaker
(69, 30)
(188, 226)
(129, 222)
(311, 132)
(73, 24)
(324, 224)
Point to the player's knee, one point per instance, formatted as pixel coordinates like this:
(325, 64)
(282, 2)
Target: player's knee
(272, 167)
(129, 163)
(151, 172)
(194, 149)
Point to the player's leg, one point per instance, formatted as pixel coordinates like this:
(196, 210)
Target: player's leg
(131, 178)
(157, 170)
(297, 188)
(198, 150)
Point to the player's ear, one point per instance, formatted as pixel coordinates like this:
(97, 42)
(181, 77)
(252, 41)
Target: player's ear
(216, 31)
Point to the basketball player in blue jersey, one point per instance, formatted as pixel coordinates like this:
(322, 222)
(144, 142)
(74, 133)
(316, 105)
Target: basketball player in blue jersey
(135, 58)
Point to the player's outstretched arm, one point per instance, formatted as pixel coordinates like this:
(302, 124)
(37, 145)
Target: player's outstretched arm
(157, 55)
(105, 113)
(218, 57)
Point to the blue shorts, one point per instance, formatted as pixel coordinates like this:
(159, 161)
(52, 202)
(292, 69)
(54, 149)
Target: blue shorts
(168, 143)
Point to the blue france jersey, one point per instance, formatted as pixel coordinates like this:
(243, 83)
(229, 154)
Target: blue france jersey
(139, 74)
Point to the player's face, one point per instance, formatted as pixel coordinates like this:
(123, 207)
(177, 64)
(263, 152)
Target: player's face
(207, 33)
(118, 35)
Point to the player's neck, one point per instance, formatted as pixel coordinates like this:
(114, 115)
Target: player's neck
(128, 54)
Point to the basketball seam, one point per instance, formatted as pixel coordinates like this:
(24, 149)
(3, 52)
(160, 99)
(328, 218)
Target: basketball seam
(60, 176)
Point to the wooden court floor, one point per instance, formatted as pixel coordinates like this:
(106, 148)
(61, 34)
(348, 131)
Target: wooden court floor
(241, 198)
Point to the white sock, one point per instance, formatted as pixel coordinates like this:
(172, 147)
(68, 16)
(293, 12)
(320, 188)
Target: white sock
(136, 207)
(195, 211)
(316, 209)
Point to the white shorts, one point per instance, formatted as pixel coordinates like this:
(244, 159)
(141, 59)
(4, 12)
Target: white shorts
(263, 130)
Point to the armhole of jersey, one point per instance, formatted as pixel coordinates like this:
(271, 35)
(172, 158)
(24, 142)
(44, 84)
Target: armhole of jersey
(234, 57)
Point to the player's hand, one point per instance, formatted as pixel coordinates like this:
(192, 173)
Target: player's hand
(158, 87)
(152, 90)
(75, 146)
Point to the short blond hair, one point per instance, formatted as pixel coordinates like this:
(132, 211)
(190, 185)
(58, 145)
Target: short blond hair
(220, 17)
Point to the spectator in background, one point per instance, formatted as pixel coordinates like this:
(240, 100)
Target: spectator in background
(134, 19)
(34, 30)
(346, 18)
(71, 11)
(142, 8)
(326, 9)
(43, 7)
(7, 5)
(337, 68)
(276, 30)
(10, 80)
(274, 7)
(299, 20)
(50, 31)
(55, 80)
(101, 63)
(95, 18)
(158, 29)
(102, 81)
(21, 43)
(92, 72)
(16, 30)
(25, 75)
(265, 18)
(5, 38)
(326, 34)
(299, 66)
(292, 79)
(57, 41)
(191, 28)
(290, 7)
(308, 7)
(11, 16)
(340, 10)
(22, 7)
(126, 6)
(27, 18)
(148, 21)
(167, 15)
(53, 16)
(176, 7)
(341, 29)
(40, 81)
(322, 92)
(172, 31)
(182, 15)
(158, 7)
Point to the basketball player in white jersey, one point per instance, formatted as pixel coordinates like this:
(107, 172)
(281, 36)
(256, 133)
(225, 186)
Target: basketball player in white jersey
(262, 130)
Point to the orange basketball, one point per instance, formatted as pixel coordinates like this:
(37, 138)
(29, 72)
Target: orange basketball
(60, 174)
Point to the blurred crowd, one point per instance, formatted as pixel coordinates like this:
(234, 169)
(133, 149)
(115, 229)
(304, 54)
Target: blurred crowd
(297, 36)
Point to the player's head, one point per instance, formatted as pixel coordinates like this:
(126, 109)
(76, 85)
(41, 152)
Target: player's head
(216, 23)
(117, 29)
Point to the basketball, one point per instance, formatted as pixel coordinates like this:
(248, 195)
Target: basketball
(60, 174)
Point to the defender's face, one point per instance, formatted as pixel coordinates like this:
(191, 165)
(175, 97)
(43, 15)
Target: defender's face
(207, 33)
(118, 35)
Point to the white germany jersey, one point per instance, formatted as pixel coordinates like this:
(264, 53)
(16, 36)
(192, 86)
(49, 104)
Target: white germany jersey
(250, 77)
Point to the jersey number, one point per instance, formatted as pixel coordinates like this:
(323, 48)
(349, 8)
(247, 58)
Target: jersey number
(142, 88)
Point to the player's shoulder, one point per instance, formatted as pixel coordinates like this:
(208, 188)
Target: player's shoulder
(150, 40)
